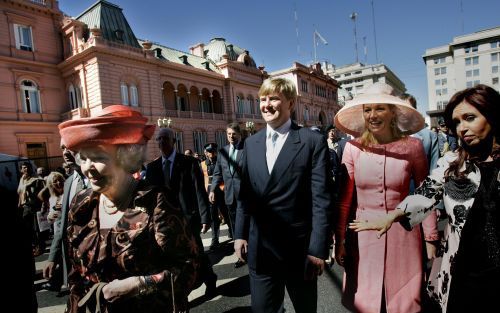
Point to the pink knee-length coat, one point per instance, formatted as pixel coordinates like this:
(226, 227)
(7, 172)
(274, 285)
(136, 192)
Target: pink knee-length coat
(378, 180)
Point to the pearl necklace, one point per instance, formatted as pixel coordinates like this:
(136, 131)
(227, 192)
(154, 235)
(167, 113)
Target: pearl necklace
(108, 206)
(112, 208)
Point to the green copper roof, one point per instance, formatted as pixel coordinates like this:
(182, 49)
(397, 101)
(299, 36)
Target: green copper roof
(177, 56)
(217, 47)
(110, 19)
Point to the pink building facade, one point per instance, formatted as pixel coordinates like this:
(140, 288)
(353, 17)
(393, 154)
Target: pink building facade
(54, 68)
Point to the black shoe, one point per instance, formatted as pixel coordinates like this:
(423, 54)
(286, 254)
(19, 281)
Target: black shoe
(214, 245)
(239, 264)
(51, 287)
(211, 284)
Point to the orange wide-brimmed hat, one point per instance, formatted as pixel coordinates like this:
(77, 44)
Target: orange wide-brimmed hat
(114, 125)
(350, 118)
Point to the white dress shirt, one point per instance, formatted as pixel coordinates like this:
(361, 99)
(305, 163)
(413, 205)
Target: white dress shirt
(272, 153)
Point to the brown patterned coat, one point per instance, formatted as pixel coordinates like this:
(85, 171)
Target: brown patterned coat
(152, 237)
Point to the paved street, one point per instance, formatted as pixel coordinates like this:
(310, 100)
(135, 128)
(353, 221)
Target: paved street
(232, 286)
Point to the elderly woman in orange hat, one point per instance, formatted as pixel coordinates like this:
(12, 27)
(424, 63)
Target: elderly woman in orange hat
(381, 275)
(130, 249)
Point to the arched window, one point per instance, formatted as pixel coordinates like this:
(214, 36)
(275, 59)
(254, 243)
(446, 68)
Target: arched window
(75, 97)
(129, 94)
(30, 96)
(134, 95)
(240, 104)
(124, 93)
(248, 105)
(72, 97)
(200, 140)
(306, 114)
(220, 138)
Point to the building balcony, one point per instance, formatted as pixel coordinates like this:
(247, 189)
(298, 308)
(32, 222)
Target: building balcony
(74, 114)
(441, 107)
(246, 116)
(195, 115)
(39, 2)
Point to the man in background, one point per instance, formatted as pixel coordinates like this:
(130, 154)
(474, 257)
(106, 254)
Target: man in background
(183, 178)
(227, 173)
(56, 269)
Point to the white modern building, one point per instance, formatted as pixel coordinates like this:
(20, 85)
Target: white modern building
(467, 61)
(354, 78)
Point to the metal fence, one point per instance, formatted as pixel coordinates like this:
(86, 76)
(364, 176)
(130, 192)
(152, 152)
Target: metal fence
(10, 174)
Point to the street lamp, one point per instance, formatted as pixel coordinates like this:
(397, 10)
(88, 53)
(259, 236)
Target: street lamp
(250, 126)
(164, 122)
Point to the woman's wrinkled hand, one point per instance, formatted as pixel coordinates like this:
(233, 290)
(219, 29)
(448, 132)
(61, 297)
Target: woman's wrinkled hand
(121, 288)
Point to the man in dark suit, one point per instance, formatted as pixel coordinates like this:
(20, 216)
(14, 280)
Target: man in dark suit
(57, 266)
(446, 141)
(227, 173)
(284, 208)
(217, 205)
(184, 179)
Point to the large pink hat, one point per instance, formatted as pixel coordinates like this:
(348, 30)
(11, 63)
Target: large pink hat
(115, 124)
(350, 118)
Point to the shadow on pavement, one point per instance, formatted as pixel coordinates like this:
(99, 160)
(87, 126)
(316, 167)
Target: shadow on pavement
(241, 309)
(239, 287)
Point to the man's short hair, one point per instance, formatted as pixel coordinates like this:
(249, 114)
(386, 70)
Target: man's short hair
(278, 85)
(330, 127)
(234, 126)
(166, 132)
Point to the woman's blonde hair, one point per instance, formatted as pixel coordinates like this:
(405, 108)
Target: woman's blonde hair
(367, 139)
(51, 178)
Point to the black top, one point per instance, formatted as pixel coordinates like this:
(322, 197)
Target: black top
(476, 270)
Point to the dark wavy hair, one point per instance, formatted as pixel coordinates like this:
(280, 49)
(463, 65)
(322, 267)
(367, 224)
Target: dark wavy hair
(487, 101)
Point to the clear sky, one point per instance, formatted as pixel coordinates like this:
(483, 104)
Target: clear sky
(268, 29)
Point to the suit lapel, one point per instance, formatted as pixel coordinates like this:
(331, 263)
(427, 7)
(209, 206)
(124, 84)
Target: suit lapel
(289, 151)
(176, 172)
(239, 156)
(67, 190)
(256, 161)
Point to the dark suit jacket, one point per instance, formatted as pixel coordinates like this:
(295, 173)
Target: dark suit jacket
(340, 150)
(222, 174)
(285, 215)
(450, 139)
(58, 247)
(187, 186)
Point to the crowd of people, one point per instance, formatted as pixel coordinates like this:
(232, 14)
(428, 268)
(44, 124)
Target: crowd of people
(365, 192)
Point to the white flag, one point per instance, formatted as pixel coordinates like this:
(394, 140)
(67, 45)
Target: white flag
(318, 35)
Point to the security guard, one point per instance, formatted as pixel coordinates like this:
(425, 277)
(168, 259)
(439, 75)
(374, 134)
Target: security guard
(208, 167)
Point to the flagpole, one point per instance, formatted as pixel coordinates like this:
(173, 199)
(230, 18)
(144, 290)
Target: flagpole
(314, 43)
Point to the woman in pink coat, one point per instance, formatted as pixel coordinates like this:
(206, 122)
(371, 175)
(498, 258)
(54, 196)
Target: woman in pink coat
(381, 275)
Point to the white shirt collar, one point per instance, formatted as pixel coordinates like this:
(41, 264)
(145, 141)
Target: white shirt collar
(282, 130)
(171, 157)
